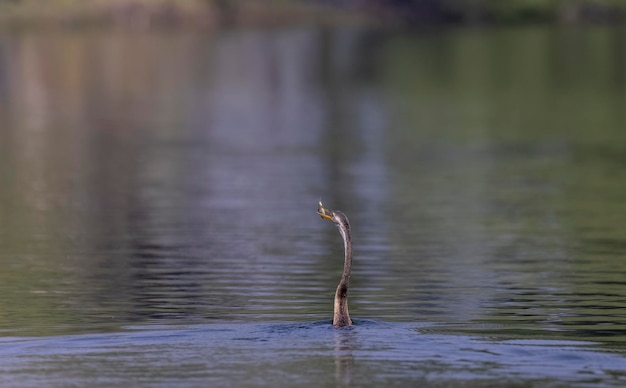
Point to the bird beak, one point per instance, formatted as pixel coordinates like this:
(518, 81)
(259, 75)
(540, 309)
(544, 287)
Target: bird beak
(323, 212)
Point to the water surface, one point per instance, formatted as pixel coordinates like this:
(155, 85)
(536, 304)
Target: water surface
(159, 190)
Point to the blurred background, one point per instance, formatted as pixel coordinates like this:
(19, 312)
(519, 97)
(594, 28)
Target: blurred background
(137, 135)
(161, 164)
(140, 13)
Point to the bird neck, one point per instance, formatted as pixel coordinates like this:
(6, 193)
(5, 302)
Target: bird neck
(347, 264)
(341, 315)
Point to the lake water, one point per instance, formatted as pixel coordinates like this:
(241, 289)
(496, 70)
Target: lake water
(158, 194)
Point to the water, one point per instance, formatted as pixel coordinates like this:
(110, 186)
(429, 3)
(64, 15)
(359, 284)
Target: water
(368, 354)
(159, 191)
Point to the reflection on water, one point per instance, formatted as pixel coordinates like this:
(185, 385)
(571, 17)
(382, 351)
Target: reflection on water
(172, 179)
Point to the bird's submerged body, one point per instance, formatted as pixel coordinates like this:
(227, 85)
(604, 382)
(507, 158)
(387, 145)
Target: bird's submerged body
(341, 315)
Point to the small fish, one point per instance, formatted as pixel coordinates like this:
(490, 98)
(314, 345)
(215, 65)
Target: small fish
(324, 212)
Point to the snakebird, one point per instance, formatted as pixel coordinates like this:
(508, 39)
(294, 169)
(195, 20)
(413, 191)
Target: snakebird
(341, 316)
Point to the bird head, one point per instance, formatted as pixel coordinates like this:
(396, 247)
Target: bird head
(335, 216)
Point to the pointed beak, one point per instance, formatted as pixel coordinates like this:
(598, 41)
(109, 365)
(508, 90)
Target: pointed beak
(324, 212)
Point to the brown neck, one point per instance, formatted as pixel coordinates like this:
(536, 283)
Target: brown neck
(341, 316)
